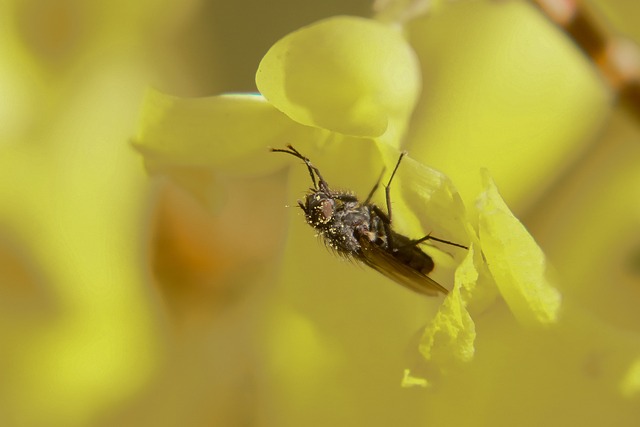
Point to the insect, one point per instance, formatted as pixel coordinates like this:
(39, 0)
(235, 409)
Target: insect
(362, 231)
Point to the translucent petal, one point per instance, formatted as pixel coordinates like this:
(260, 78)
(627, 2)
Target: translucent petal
(345, 74)
(424, 200)
(213, 131)
(515, 260)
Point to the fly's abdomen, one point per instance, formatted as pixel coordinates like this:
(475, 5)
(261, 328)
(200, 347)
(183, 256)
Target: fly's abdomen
(413, 257)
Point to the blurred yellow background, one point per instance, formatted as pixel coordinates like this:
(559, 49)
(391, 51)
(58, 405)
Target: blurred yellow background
(124, 302)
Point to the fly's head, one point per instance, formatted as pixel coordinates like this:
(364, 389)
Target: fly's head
(336, 215)
(319, 206)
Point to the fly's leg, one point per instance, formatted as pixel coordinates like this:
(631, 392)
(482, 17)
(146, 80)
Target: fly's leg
(373, 190)
(386, 218)
(387, 188)
(386, 224)
(430, 237)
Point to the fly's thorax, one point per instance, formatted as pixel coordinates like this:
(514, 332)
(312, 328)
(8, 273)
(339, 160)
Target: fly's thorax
(377, 233)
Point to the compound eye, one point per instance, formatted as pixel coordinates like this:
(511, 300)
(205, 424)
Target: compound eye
(325, 209)
(320, 209)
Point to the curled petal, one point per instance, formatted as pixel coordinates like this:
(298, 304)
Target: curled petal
(345, 74)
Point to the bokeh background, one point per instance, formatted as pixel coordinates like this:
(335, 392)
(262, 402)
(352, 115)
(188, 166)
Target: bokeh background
(133, 294)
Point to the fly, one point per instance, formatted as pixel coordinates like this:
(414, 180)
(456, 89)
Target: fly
(362, 231)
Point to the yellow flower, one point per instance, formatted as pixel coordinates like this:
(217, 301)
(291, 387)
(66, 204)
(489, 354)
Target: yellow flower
(504, 342)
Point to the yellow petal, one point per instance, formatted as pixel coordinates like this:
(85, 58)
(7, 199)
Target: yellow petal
(214, 131)
(515, 261)
(450, 337)
(345, 74)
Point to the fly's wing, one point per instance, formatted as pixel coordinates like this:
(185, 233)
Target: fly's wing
(385, 263)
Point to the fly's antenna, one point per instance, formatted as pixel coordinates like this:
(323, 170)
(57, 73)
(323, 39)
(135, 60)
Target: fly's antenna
(320, 183)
